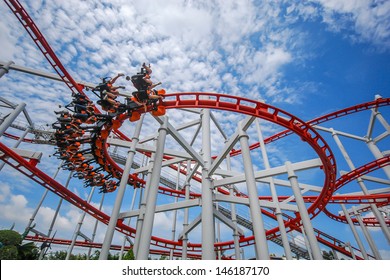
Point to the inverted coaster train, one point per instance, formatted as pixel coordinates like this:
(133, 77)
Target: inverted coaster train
(85, 139)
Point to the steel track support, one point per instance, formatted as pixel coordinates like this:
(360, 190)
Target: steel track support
(378, 155)
(233, 211)
(29, 225)
(143, 198)
(207, 215)
(355, 233)
(174, 220)
(261, 247)
(374, 149)
(120, 193)
(59, 206)
(4, 69)
(11, 117)
(128, 223)
(186, 210)
(185, 223)
(307, 244)
(278, 212)
(95, 227)
(78, 227)
(367, 234)
(315, 249)
(21, 138)
(351, 250)
(147, 228)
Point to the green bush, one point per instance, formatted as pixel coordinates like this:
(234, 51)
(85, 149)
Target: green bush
(11, 247)
(10, 237)
(9, 252)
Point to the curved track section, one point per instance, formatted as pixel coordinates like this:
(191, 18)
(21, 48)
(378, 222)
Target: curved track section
(214, 101)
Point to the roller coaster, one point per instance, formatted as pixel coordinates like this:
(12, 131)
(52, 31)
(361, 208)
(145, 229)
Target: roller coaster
(259, 202)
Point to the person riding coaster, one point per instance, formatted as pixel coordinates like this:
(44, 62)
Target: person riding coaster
(145, 94)
(108, 93)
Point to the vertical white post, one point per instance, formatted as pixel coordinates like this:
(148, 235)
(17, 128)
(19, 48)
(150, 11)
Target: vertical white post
(11, 117)
(370, 241)
(21, 138)
(354, 232)
(303, 212)
(95, 227)
(185, 222)
(128, 223)
(29, 225)
(306, 243)
(360, 181)
(174, 220)
(142, 206)
(208, 227)
(5, 68)
(78, 227)
(278, 211)
(261, 246)
(144, 242)
(120, 193)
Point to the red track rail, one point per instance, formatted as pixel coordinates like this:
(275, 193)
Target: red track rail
(87, 244)
(380, 199)
(269, 113)
(223, 102)
(337, 114)
(42, 44)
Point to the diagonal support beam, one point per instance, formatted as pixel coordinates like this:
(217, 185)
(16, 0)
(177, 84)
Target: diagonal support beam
(190, 227)
(227, 222)
(313, 163)
(187, 147)
(230, 144)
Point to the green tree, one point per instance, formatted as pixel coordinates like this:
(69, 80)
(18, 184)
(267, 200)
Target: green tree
(129, 255)
(11, 247)
(327, 255)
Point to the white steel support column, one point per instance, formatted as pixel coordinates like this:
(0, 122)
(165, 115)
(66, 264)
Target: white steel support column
(366, 233)
(78, 227)
(142, 206)
(59, 206)
(5, 68)
(11, 117)
(174, 220)
(261, 246)
(378, 154)
(120, 193)
(128, 223)
(278, 211)
(21, 138)
(315, 249)
(360, 181)
(233, 211)
(29, 225)
(95, 227)
(185, 221)
(307, 244)
(354, 232)
(351, 250)
(147, 228)
(207, 215)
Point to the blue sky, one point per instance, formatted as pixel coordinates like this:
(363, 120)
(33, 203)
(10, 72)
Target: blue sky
(306, 57)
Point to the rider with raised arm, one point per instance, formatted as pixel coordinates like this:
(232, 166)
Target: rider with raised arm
(143, 83)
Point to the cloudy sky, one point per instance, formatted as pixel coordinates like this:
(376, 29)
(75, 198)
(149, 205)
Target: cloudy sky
(306, 57)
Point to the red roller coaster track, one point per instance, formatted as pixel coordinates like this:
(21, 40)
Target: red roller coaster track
(221, 102)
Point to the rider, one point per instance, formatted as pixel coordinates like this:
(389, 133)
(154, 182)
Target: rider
(112, 91)
(144, 84)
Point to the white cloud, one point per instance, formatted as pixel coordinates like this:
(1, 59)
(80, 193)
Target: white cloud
(235, 47)
(370, 20)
